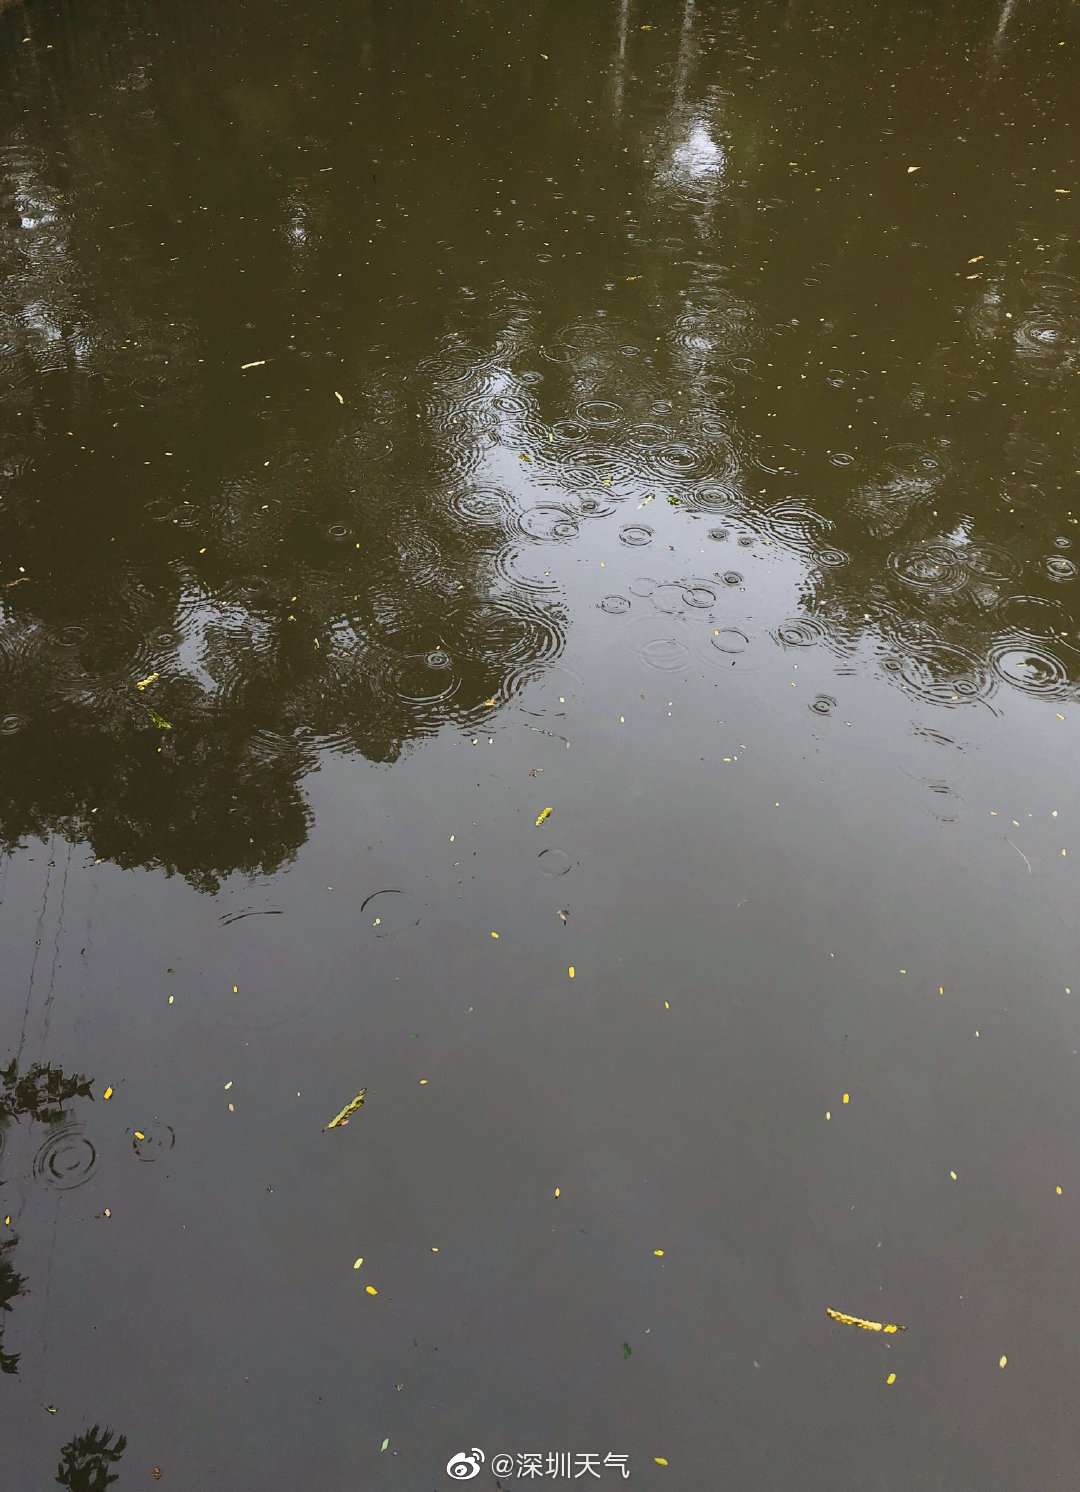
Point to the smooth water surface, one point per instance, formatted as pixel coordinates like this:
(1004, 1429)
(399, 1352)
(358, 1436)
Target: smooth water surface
(417, 418)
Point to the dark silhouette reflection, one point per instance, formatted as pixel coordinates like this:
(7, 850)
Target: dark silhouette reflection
(40, 1094)
(85, 1461)
(264, 457)
(11, 1285)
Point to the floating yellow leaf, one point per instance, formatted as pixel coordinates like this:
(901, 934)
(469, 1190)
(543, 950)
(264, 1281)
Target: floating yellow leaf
(659, 1253)
(495, 935)
(858, 1321)
(1002, 1361)
(150, 677)
(108, 1094)
(571, 971)
(347, 1111)
(139, 1135)
(557, 1190)
(545, 813)
(847, 1097)
(358, 1263)
(660, 1460)
(371, 1290)
(891, 1378)
(260, 364)
(338, 397)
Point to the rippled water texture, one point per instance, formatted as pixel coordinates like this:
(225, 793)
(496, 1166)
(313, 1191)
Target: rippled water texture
(539, 584)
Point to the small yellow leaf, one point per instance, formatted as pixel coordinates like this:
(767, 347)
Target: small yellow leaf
(858, 1321)
(660, 1460)
(571, 971)
(139, 1135)
(1056, 1188)
(891, 1378)
(108, 1094)
(659, 1253)
(358, 1263)
(423, 1081)
(371, 1290)
(495, 935)
(557, 1190)
(348, 1110)
(847, 1097)
(545, 813)
(910, 169)
(1002, 1360)
(338, 397)
(150, 677)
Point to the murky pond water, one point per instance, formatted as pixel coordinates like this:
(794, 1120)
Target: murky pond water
(539, 579)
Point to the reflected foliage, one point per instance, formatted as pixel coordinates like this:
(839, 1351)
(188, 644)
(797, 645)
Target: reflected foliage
(85, 1461)
(11, 1285)
(314, 456)
(41, 1092)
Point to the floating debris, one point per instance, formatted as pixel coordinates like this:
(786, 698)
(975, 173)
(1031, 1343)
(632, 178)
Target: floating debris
(858, 1321)
(150, 677)
(545, 813)
(348, 1111)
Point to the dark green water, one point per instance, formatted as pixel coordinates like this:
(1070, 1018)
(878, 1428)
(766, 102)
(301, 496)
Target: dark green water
(413, 418)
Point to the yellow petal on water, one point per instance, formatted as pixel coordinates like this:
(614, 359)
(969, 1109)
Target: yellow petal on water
(139, 1135)
(358, 1263)
(666, 1005)
(891, 1378)
(260, 364)
(557, 1190)
(423, 1081)
(660, 1460)
(1056, 1188)
(1002, 1360)
(495, 935)
(349, 1109)
(910, 169)
(953, 1175)
(858, 1321)
(545, 813)
(228, 1085)
(150, 677)
(108, 1094)
(338, 397)
(976, 258)
(371, 1290)
(659, 1253)
(571, 971)
(847, 1097)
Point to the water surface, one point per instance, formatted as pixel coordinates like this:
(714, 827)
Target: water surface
(414, 419)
